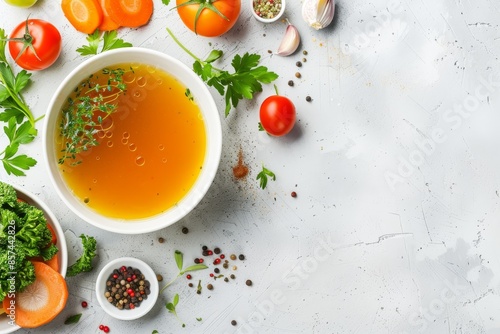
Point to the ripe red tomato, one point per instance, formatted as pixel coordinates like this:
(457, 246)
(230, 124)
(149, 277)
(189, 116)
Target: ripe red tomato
(277, 115)
(209, 23)
(35, 44)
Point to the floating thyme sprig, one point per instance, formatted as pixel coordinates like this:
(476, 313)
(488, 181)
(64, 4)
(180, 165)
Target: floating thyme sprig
(83, 116)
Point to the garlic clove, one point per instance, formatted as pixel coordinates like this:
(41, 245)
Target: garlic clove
(318, 13)
(290, 41)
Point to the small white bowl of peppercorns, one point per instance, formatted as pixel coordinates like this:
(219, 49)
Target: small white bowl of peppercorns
(127, 288)
(268, 11)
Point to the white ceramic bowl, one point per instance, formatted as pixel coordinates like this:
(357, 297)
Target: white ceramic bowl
(264, 20)
(145, 306)
(62, 255)
(212, 126)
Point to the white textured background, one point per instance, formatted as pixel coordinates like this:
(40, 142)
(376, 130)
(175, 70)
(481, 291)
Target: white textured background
(395, 227)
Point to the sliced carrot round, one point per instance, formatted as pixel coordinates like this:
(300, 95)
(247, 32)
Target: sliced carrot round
(84, 15)
(129, 13)
(107, 24)
(42, 300)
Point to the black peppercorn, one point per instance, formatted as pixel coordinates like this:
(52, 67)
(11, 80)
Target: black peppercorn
(185, 230)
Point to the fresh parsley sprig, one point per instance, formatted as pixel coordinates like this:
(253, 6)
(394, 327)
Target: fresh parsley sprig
(20, 128)
(179, 261)
(244, 82)
(109, 41)
(263, 175)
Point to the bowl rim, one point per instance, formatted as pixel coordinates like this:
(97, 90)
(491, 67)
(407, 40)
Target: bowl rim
(145, 306)
(213, 135)
(62, 254)
(274, 19)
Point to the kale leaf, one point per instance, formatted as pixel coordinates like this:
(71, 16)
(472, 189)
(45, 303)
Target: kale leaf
(84, 263)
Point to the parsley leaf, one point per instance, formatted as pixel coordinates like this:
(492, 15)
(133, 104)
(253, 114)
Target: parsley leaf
(165, 2)
(171, 308)
(243, 83)
(263, 175)
(20, 128)
(109, 39)
(73, 319)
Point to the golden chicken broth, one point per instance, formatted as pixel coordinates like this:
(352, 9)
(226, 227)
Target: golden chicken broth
(149, 153)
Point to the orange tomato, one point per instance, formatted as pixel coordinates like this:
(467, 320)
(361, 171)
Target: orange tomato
(215, 18)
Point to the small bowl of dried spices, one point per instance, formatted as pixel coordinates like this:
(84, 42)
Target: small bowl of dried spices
(268, 11)
(127, 288)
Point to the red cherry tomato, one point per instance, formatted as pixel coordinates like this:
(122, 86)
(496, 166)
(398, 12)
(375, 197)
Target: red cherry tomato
(35, 44)
(277, 115)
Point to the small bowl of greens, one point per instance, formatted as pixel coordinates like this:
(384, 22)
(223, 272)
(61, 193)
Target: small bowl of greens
(30, 234)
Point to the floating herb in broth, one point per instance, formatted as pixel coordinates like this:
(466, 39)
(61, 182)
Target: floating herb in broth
(141, 148)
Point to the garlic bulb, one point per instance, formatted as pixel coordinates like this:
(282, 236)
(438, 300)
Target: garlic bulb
(290, 41)
(318, 13)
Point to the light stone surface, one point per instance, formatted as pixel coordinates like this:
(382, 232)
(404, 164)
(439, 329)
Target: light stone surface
(395, 162)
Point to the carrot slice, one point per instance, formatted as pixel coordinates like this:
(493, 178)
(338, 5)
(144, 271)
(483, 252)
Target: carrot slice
(129, 13)
(107, 24)
(42, 300)
(84, 15)
(53, 263)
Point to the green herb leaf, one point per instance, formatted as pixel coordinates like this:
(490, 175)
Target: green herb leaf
(73, 319)
(261, 128)
(165, 2)
(176, 299)
(213, 56)
(155, 332)
(170, 307)
(178, 259)
(194, 267)
(243, 83)
(23, 78)
(110, 41)
(199, 319)
(263, 175)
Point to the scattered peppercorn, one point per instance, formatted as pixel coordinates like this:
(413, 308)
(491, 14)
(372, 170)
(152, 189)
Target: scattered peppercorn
(204, 248)
(233, 257)
(226, 279)
(198, 292)
(241, 257)
(105, 329)
(185, 230)
(269, 51)
(304, 53)
(233, 322)
(235, 268)
(294, 194)
(84, 304)
(217, 261)
(190, 285)
(298, 64)
(196, 260)
(101, 327)
(159, 277)
(217, 250)
(290, 83)
(308, 98)
(210, 287)
(232, 276)
(304, 60)
(201, 260)
(189, 276)
(298, 75)
(216, 270)
(222, 256)
(248, 282)
(225, 265)
(161, 240)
